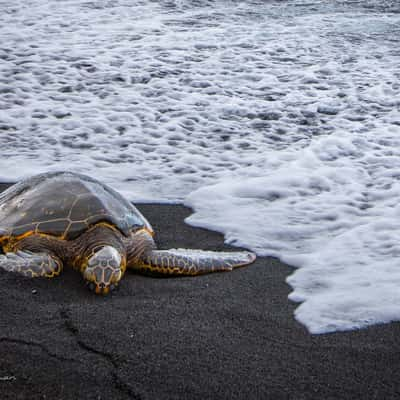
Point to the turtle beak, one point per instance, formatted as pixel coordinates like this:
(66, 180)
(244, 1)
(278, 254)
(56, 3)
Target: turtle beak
(101, 288)
(103, 271)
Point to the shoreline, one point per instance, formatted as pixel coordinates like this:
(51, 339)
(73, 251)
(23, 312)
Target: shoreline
(218, 336)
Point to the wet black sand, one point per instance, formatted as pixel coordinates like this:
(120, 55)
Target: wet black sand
(222, 336)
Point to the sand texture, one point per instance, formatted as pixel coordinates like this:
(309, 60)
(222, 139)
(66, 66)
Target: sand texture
(221, 336)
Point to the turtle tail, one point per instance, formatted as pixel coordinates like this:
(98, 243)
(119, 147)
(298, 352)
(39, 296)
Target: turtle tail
(191, 262)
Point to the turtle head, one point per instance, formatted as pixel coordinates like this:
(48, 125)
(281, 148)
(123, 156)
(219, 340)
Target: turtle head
(104, 269)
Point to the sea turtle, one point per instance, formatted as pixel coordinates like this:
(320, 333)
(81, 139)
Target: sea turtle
(60, 218)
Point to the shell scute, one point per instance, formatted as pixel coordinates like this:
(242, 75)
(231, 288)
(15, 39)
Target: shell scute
(56, 227)
(65, 205)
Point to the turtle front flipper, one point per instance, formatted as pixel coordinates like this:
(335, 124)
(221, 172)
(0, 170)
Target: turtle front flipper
(30, 264)
(191, 262)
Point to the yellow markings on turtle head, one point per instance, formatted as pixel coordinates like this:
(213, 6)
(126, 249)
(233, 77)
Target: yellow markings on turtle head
(80, 263)
(99, 290)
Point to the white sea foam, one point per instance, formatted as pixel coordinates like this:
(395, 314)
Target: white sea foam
(278, 122)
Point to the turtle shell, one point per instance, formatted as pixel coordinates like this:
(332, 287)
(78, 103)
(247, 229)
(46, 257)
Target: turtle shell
(65, 205)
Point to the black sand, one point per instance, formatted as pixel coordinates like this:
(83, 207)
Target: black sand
(222, 336)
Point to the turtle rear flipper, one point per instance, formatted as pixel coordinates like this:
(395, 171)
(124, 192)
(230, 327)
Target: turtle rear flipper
(191, 262)
(30, 264)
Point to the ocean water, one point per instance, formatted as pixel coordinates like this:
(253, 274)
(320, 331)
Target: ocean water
(277, 121)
